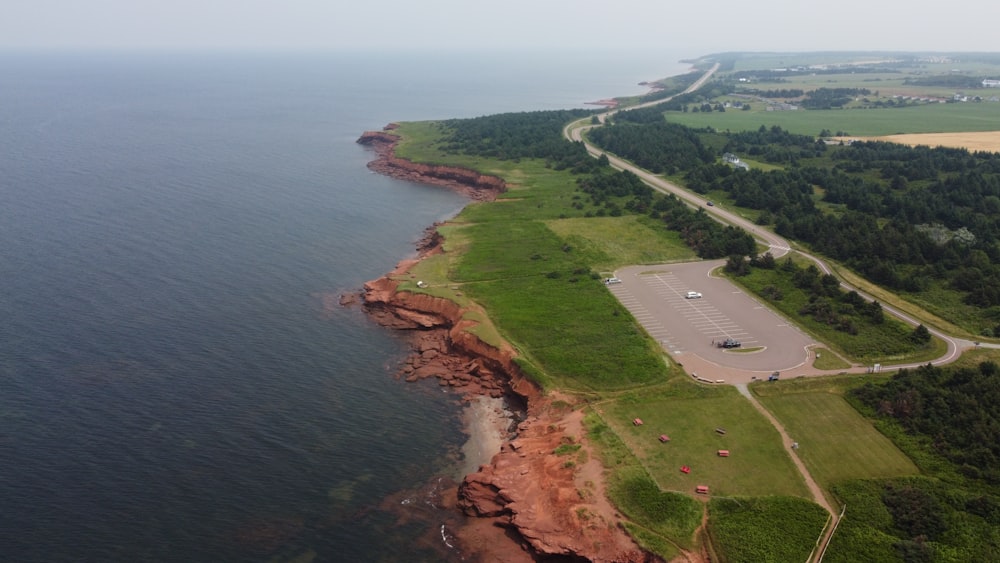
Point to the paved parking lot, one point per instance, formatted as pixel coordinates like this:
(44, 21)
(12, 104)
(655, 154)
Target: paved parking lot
(656, 297)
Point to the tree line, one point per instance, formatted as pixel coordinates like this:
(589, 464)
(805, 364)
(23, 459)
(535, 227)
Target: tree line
(957, 410)
(608, 192)
(904, 217)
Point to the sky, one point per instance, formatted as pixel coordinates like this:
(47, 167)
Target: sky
(690, 27)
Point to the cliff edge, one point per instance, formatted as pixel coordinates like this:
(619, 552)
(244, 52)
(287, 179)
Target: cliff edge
(539, 504)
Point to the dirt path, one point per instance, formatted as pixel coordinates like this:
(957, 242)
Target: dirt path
(817, 492)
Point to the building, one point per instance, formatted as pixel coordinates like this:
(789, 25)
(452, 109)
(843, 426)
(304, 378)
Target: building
(734, 161)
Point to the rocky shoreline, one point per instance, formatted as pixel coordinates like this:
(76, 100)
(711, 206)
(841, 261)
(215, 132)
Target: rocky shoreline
(528, 503)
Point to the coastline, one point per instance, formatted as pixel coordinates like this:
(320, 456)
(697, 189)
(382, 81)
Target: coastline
(528, 502)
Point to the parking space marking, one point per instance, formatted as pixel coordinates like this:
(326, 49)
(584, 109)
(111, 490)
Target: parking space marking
(703, 316)
(647, 320)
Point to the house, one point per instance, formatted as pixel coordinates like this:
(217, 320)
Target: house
(723, 453)
(701, 489)
(734, 161)
(637, 422)
(991, 83)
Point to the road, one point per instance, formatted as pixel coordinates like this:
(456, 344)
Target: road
(778, 247)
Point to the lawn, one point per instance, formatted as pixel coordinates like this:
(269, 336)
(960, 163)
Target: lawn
(622, 241)
(757, 465)
(835, 442)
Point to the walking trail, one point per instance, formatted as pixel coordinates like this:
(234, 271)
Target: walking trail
(814, 488)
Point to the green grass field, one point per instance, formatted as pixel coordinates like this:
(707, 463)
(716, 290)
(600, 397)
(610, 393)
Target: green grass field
(932, 118)
(660, 520)
(622, 241)
(882, 343)
(835, 442)
(757, 465)
(765, 529)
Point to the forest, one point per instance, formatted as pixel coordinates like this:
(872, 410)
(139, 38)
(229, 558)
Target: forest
(957, 411)
(951, 512)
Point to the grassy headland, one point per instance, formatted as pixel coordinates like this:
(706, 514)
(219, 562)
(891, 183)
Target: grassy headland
(533, 261)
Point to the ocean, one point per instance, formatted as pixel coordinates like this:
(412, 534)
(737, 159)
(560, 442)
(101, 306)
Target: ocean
(177, 379)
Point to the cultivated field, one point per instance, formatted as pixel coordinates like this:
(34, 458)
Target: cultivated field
(932, 118)
(974, 141)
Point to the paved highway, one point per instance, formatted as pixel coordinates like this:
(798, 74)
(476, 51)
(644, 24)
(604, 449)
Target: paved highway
(777, 245)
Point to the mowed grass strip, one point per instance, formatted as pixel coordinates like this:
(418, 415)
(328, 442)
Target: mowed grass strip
(835, 442)
(757, 465)
(619, 241)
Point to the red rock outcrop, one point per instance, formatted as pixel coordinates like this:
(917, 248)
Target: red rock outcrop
(551, 505)
(556, 506)
(480, 187)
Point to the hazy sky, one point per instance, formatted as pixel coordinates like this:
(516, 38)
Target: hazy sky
(690, 27)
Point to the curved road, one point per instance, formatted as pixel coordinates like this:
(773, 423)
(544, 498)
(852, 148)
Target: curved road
(778, 247)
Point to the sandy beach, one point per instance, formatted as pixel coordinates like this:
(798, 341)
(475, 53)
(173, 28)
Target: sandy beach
(486, 420)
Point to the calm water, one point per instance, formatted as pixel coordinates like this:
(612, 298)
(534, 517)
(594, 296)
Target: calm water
(177, 382)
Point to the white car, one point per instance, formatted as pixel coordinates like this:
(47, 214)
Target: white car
(692, 295)
(610, 281)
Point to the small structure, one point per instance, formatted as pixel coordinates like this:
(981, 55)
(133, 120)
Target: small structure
(664, 438)
(721, 431)
(685, 469)
(637, 421)
(701, 489)
(723, 453)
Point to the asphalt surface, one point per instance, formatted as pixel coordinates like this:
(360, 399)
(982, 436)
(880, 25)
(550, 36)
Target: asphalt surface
(656, 297)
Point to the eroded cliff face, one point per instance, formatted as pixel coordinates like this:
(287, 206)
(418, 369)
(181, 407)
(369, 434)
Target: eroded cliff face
(480, 187)
(441, 345)
(540, 504)
(555, 505)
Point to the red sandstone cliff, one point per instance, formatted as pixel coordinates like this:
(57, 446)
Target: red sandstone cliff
(552, 505)
(469, 182)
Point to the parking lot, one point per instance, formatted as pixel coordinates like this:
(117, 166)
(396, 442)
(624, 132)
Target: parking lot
(657, 296)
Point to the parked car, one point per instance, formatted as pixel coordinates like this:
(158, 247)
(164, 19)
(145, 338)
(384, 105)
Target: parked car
(692, 295)
(610, 281)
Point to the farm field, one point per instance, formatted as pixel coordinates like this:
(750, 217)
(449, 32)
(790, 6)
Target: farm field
(971, 140)
(835, 442)
(933, 118)
(757, 465)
